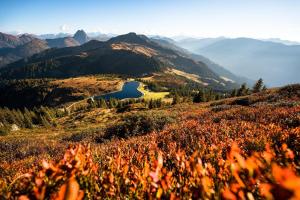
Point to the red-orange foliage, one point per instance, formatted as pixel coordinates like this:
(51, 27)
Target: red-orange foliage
(233, 153)
(237, 177)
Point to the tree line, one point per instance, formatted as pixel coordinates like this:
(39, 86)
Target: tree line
(245, 90)
(24, 118)
(122, 104)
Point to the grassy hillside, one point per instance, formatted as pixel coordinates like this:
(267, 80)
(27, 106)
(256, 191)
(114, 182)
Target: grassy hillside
(147, 94)
(55, 92)
(244, 147)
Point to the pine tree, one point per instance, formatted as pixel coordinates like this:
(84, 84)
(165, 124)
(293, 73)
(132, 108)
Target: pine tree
(200, 97)
(176, 99)
(44, 121)
(91, 103)
(158, 103)
(264, 88)
(27, 119)
(243, 90)
(112, 103)
(9, 116)
(102, 103)
(46, 113)
(120, 104)
(151, 104)
(234, 93)
(258, 85)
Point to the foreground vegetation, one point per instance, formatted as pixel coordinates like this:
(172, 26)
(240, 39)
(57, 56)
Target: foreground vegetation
(237, 148)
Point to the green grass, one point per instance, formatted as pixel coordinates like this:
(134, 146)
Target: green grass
(151, 95)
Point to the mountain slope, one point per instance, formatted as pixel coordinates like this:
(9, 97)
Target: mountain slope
(79, 38)
(221, 71)
(9, 55)
(193, 44)
(277, 64)
(181, 59)
(129, 54)
(62, 42)
(12, 41)
(91, 58)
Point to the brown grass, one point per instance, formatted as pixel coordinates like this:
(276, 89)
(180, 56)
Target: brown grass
(91, 85)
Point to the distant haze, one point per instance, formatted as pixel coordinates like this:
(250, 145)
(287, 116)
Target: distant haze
(277, 63)
(205, 18)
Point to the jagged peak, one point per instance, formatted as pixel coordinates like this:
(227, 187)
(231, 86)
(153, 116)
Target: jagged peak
(81, 36)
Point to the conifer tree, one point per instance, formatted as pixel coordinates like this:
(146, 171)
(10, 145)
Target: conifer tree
(243, 90)
(176, 99)
(264, 88)
(103, 103)
(258, 85)
(234, 93)
(151, 104)
(200, 97)
(27, 120)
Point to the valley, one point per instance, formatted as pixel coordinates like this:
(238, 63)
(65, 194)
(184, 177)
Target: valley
(149, 100)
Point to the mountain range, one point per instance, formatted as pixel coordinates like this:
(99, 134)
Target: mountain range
(11, 41)
(13, 48)
(129, 54)
(276, 61)
(221, 62)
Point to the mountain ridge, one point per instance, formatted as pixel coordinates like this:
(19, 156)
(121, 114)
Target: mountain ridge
(276, 63)
(128, 54)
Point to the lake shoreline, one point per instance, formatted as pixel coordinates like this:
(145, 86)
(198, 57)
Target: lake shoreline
(129, 90)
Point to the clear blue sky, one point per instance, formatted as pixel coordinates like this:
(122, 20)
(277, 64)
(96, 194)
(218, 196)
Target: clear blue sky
(202, 18)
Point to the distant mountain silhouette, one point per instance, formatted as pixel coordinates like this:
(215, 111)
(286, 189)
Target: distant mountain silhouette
(193, 44)
(53, 36)
(9, 55)
(62, 42)
(129, 54)
(276, 63)
(8, 42)
(81, 37)
(11, 41)
(221, 71)
(278, 40)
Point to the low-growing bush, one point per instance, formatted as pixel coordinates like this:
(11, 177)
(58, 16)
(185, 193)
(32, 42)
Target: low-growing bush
(4, 131)
(242, 102)
(290, 90)
(221, 108)
(139, 124)
(155, 175)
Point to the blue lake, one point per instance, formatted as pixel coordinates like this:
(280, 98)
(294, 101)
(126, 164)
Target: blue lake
(129, 90)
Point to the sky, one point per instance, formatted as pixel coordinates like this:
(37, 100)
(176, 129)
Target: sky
(197, 18)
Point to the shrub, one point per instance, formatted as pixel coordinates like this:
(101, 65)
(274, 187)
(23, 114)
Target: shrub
(156, 176)
(242, 102)
(4, 131)
(290, 90)
(221, 108)
(139, 124)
